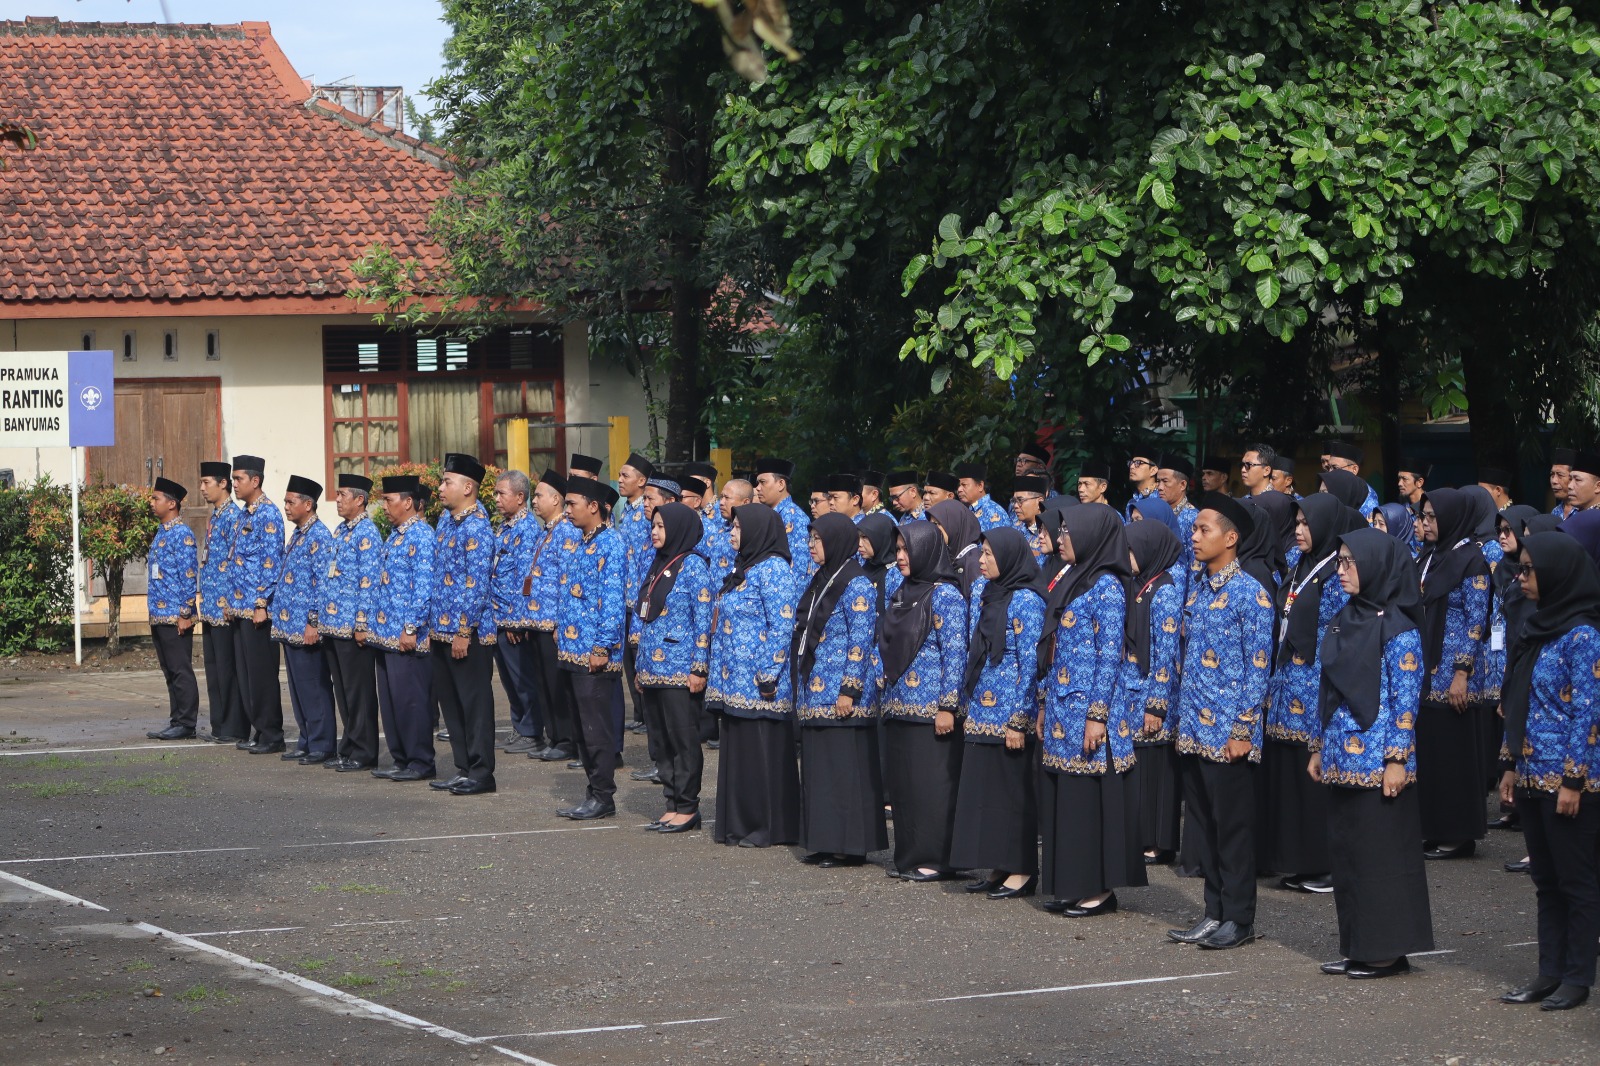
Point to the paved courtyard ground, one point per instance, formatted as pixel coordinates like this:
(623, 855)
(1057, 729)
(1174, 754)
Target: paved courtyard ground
(191, 903)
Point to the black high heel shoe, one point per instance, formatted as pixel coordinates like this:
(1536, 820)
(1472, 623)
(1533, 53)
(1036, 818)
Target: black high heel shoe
(982, 885)
(1026, 889)
(681, 827)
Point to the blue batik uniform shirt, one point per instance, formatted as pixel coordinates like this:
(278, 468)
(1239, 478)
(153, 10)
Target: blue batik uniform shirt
(932, 683)
(1292, 693)
(174, 570)
(405, 586)
(350, 585)
(463, 561)
(1563, 715)
(254, 558)
(214, 577)
(990, 514)
(1081, 686)
(797, 528)
(1226, 661)
(515, 543)
(1005, 694)
(1353, 757)
(1154, 693)
(846, 661)
(297, 598)
(677, 642)
(1146, 494)
(546, 581)
(750, 647)
(592, 611)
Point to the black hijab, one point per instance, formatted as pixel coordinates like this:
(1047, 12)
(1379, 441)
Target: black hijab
(909, 616)
(1569, 596)
(1155, 548)
(1352, 650)
(883, 534)
(1328, 520)
(1515, 608)
(1347, 487)
(960, 525)
(1050, 525)
(761, 537)
(1483, 512)
(1540, 523)
(1017, 571)
(684, 531)
(1281, 508)
(1446, 566)
(1099, 547)
(838, 569)
(1260, 555)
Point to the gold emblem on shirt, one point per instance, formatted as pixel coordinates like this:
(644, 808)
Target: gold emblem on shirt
(1209, 660)
(1408, 662)
(1068, 619)
(987, 699)
(658, 656)
(1353, 745)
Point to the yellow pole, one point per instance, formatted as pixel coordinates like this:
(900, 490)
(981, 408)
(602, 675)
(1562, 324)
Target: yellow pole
(517, 444)
(722, 459)
(618, 443)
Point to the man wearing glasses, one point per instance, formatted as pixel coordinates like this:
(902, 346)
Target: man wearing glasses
(1337, 455)
(1172, 484)
(905, 496)
(1255, 469)
(1027, 497)
(1142, 476)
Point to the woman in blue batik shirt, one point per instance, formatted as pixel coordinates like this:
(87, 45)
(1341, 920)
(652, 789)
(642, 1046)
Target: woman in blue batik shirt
(1454, 621)
(922, 643)
(1396, 520)
(1088, 800)
(878, 535)
(1154, 509)
(961, 534)
(1367, 704)
(673, 617)
(1149, 683)
(833, 658)
(758, 780)
(1261, 555)
(1551, 697)
(1292, 810)
(997, 821)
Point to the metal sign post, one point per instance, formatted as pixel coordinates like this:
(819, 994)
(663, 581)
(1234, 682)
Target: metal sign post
(80, 592)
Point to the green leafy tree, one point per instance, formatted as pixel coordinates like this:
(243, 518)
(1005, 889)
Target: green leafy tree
(115, 527)
(35, 567)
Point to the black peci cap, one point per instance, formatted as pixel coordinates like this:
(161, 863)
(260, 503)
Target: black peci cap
(1231, 509)
(465, 465)
(1176, 463)
(941, 479)
(555, 480)
(704, 470)
(1587, 462)
(1561, 456)
(170, 488)
(847, 483)
(1035, 450)
(873, 478)
(641, 464)
(1342, 450)
(902, 477)
(599, 491)
(1221, 464)
(778, 467)
(1495, 475)
(250, 464)
(355, 481)
(217, 471)
(579, 461)
(1031, 483)
(304, 486)
(1097, 468)
(1410, 464)
(1283, 465)
(402, 483)
(975, 471)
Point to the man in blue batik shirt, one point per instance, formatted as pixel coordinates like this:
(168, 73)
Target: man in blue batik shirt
(772, 489)
(349, 598)
(542, 589)
(514, 652)
(973, 491)
(253, 560)
(229, 725)
(905, 496)
(462, 627)
(172, 564)
(1339, 455)
(1226, 661)
(399, 630)
(632, 525)
(296, 607)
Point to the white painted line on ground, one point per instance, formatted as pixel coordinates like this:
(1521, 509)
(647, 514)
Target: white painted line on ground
(1523, 944)
(169, 746)
(45, 890)
(1419, 954)
(1079, 988)
(603, 1029)
(277, 976)
(393, 921)
(122, 855)
(242, 932)
(451, 836)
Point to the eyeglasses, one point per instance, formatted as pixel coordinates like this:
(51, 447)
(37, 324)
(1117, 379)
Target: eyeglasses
(1026, 498)
(1246, 464)
(1517, 569)
(902, 490)
(1345, 562)
(1139, 462)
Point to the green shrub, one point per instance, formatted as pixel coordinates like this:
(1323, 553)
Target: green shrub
(35, 567)
(115, 527)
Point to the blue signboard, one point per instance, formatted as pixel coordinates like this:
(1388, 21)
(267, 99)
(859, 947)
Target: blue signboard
(91, 418)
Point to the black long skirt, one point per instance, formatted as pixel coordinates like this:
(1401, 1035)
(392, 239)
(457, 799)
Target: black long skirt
(758, 784)
(841, 790)
(1090, 825)
(997, 820)
(922, 773)
(1379, 885)
(1160, 795)
(1291, 812)
(1450, 773)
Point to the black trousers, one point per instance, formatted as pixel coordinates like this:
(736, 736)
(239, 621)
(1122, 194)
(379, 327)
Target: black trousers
(175, 653)
(630, 657)
(561, 717)
(519, 678)
(464, 691)
(405, 699)
(593, 695)
(354, 671)
(222, 683)
(673, 717)
(1220, 799)
(1566, 878)
(255, 655)
(311, 696)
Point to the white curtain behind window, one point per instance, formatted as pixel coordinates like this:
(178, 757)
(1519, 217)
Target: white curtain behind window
(442, 417)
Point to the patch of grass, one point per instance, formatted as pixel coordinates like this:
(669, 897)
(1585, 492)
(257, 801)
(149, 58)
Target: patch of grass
(50, 789)
(16, 740)
(453, 986)
(50, 762)
(365, 890)
(154, 784)
(430, 972)
(353, 980)
(312, 965)
(198, 997)
(321, 888)
(138, 966)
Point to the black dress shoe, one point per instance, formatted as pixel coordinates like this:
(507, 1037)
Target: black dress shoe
(443, 734)
(984, 886)
(1320, 885)
(294, 753)
(555, 754)
(1565, 998)
(472, 787)
(1364, 971)
(172, 732)
(651, 775)
(713, 745)
(1229, 935)
(1521, 866)
(408, 774)
(834, 862)
(350, 766)
(518, 745)
(244, 743)
(1027, 888)
(815, 858)
(591, 809)
(1460, 851)
(314, 758)
(1532, 992)
(1195, 933)
(682, 827)
(266, 749)
(387, 774)
(921, 878)
(575, 764)
(1077, 910)
(1161, 858)
(446, 786)
(1506, 821)
(1335, 969)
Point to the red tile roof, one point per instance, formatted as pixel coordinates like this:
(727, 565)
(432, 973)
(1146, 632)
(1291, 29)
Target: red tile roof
(184, 163)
